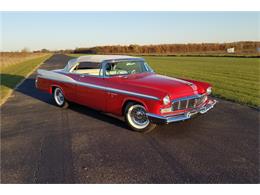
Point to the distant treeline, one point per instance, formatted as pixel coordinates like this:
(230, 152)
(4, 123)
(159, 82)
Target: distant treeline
(202, 48)
(243, 48)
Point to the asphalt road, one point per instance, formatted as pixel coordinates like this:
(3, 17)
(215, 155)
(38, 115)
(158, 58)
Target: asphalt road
(41, 143)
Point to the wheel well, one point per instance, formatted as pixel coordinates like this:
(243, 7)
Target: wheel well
(127, 102)
(53, 88)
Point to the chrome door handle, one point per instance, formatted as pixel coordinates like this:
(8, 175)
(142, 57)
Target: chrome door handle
(111, 93)
(82, 75)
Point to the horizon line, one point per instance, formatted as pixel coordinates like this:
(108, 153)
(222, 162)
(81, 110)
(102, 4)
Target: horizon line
(151, 44)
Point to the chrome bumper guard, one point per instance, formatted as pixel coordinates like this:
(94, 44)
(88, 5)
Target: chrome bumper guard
(154, 118)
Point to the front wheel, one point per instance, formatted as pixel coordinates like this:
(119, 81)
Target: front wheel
(59, 98)
(135, 116)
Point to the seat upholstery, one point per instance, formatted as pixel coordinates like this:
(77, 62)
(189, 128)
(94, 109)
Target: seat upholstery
(87, 71)
(115, 72)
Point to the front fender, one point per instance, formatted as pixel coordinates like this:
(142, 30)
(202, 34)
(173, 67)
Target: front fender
(152, 106)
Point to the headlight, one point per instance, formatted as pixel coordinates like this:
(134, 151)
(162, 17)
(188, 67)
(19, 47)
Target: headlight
(166, 100)
(209, 90)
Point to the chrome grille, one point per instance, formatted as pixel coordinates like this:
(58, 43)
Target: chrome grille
(188, 102)
(191, 103)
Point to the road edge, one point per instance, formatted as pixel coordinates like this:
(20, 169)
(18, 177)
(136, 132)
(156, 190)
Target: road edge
(2, 102)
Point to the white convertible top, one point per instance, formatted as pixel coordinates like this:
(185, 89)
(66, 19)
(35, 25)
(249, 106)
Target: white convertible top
(96, 59)
(100, 58)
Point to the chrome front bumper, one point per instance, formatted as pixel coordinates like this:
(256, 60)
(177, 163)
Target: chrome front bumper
(154, 118)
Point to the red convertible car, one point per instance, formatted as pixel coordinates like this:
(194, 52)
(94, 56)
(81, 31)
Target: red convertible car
(126, 86)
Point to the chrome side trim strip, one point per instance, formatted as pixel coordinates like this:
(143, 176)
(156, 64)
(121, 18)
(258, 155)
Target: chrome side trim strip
(132, 93)
(72, 81)
(117, 90)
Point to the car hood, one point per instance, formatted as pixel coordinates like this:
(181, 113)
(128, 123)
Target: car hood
(172, 86)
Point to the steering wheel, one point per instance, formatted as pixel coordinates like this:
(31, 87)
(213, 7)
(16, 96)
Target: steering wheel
(133, 71)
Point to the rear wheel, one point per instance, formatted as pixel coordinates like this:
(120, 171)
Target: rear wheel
(59, 98)
(135, 116)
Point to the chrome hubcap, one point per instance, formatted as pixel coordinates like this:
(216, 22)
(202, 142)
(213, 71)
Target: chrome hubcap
(137, 116)
(58, 95)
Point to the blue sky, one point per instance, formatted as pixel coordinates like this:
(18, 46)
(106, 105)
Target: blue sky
(68, 30)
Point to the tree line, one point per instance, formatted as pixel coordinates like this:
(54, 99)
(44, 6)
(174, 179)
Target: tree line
(246, 47)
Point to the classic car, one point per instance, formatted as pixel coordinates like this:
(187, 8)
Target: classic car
(126, 86)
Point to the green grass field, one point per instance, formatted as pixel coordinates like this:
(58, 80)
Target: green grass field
(12, 74)
(233, 78)
(236, 79)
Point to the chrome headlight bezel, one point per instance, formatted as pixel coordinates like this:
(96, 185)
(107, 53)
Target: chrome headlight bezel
(209, 90)
(166, 100)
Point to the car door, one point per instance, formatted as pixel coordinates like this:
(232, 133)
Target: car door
(91, 92)
(90, 87)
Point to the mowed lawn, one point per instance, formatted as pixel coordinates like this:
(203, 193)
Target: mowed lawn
(236, 79)
(12, 74)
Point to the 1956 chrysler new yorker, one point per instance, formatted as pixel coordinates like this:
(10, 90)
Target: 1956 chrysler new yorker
(126, 86)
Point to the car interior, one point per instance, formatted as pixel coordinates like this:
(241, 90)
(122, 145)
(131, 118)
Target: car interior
(113, 69)
(89, 68)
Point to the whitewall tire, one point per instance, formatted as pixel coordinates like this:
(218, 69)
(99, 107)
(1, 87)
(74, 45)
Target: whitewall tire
(59, 98)
(135, 116)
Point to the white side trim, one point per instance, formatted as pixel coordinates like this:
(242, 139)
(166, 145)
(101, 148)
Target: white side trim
(51, 75)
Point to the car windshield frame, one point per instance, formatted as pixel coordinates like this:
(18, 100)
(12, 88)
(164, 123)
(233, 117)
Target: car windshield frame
(146, 68)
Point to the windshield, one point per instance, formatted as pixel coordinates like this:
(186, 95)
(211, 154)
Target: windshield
(70, 65)
(126, 68)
